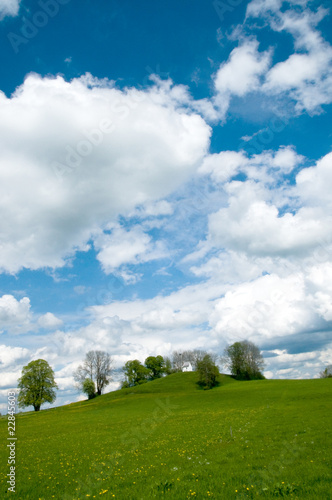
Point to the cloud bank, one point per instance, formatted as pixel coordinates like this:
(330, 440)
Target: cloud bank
(77, 154)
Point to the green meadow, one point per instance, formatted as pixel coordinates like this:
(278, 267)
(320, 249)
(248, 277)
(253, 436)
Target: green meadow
(170, 439)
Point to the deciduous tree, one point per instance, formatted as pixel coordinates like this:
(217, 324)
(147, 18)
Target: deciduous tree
(193, 356)
(168, 366)
(36, 385)
(89, 388)
(244, 360)
(135, 373)
(177, 361)
(208, 372)
(156, 365)
(98, 367)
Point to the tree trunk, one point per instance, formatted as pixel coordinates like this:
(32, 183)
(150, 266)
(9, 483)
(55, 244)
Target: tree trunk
(36, 407)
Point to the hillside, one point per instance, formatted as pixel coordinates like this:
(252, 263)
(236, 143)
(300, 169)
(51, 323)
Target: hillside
(170, 439)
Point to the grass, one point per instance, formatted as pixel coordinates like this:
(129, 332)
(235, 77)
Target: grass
(170, 439)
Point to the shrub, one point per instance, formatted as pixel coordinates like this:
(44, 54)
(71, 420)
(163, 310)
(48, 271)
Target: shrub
(89, 388)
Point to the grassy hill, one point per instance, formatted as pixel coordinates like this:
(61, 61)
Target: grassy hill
(170, 439)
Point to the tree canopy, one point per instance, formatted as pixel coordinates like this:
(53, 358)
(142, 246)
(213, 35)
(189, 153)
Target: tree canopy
(97, 366)
(208, 372)
(89, 388)
(135, 373)
(156, 365)
(244, 360)
(36, 385)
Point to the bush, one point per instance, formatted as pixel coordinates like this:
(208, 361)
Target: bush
(89, 388)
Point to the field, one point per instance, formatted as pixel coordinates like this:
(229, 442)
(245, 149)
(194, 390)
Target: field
(170, 439)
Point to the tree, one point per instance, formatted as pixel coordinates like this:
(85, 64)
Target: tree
(98, 367)
(208, 372)
(177, 361)
(198, 355)
(103, 370)
(89, 388)
(36, 385)
(327, 373)
(234, 359)
(244, 360)
(194, 356)
(168, 366)
(135, 373)
(156, 365)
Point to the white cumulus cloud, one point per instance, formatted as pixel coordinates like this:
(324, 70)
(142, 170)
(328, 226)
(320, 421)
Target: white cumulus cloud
(241, 74)
(9, 356)
(14, 314)
(126, 246)
(49, 321)
(9, 8)
(77, 154)
(306, 75)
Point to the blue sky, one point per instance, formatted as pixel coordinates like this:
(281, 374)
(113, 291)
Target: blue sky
(166, 172)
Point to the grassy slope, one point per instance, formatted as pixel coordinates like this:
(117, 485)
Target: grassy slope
(170, 439)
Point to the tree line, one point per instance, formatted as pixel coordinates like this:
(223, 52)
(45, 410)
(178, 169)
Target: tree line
(37, 384)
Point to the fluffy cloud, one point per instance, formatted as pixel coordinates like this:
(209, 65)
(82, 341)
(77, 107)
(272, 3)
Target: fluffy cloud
(77, 154)
(314, 184)
(302, 365)
(9, 8)
(266, 308)
(252, 225)
(241, 74)
(223, 166)
(293, 72)
(14, 315)
(266, 167)
(9, 356)
(280, 222)
(9, 378)
(307, 78)
(180, 318)
(320, 285)
(49, 321)
(126, 246)
(306, 75)
(257, 8)
(272, 250)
